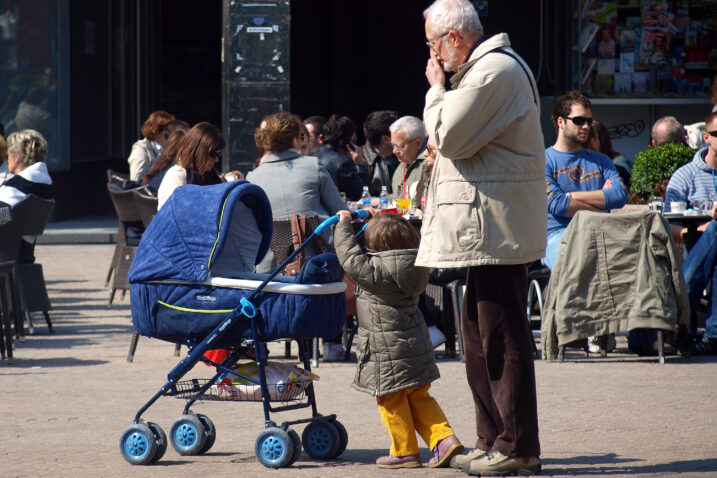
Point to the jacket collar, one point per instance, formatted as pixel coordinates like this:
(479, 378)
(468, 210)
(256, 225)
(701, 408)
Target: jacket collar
(282, 156)
(484, 46)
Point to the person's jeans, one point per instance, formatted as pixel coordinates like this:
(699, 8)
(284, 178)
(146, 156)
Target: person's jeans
(699, 268)
(551, 250)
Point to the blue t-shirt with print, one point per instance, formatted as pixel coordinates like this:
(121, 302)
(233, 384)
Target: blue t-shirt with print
(583, 170)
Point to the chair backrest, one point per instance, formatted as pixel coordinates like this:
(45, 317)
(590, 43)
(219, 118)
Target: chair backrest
(29, 218)
(281, 240)
(124, 203)
(146, 202)
(119, 179)
(32, 214)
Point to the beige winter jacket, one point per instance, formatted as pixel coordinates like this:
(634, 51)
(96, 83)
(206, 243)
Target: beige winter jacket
(486, 200)
(613, 272)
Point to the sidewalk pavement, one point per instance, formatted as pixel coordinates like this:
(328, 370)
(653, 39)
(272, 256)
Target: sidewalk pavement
(69, 395)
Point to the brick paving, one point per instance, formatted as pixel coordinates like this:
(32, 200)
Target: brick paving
(69, 395)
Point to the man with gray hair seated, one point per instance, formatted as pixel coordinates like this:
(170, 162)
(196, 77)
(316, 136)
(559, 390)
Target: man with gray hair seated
(408, 138)
(667, 130)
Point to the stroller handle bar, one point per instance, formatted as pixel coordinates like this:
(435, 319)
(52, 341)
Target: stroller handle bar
(359, 214)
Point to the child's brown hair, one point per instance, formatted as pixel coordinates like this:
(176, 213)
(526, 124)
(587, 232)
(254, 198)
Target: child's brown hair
(387, 232)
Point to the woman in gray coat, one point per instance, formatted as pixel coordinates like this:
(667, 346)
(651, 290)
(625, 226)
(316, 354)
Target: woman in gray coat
(295, 184)
(395, 356)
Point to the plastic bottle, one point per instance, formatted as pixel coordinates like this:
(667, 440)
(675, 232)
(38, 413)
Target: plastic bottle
(383, 198)
(365, 198)
(424, 198)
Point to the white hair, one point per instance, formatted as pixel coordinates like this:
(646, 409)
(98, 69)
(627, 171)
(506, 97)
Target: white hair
(412, 126)
(29, 146)
(458, 15)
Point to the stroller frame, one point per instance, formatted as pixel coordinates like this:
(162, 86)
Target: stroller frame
(191, 434)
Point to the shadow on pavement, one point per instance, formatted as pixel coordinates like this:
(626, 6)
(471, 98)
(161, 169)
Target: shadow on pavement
(599, 462)
(21, 362)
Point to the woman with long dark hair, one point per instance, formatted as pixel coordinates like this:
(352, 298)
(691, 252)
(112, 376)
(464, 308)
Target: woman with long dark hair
(198, 153)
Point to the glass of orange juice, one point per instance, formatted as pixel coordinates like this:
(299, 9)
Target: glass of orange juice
(403, 203)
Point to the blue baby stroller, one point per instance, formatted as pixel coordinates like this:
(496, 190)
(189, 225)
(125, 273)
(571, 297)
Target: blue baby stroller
(192, 283)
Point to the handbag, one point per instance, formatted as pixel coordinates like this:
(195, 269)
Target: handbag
(298, 235)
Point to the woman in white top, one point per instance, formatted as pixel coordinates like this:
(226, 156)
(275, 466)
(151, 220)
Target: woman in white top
(146, 150)
(197, 155)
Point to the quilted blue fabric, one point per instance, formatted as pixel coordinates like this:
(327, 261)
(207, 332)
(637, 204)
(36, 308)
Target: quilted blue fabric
(190, 230)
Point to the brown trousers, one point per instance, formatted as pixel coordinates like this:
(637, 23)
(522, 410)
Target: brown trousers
(499, 360)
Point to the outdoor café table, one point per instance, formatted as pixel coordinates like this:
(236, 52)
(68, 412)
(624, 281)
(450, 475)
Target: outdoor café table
(691, 222)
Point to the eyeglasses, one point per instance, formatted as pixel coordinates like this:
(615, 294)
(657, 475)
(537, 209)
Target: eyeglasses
(216, 154)
(432, 43)
(402, 146)
(580, 120)
(712, 133)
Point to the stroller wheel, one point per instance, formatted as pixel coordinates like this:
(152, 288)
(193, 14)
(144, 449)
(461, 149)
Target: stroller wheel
(138, 444)
(274, 448)
(343, 438)
(297, 445)
(210, 433)
(187, 435)
(161, 438)
(321, 440)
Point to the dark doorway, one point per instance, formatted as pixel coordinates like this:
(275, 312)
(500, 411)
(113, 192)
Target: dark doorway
(188, 57)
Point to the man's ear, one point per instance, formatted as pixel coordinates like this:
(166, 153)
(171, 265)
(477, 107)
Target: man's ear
(652, 143)
(385, 139)
(320, 138)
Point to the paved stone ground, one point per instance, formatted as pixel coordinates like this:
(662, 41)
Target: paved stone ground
(69, 395)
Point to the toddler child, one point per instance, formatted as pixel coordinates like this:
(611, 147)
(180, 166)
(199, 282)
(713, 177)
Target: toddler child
(395, 356)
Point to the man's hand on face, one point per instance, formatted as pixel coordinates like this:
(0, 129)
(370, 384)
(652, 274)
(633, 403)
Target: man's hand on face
(434, 70)
(356, 154)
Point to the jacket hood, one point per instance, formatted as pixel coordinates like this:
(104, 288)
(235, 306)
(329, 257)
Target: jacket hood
(399, 264)
(699, 160)
(36, 173)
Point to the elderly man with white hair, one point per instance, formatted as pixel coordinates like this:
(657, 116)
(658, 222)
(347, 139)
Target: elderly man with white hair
(408, 138)
(487, 211)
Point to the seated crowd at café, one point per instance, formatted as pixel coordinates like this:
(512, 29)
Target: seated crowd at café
(314, 167)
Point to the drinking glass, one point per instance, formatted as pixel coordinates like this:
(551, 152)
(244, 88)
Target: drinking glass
(657, 204)
(403, 203)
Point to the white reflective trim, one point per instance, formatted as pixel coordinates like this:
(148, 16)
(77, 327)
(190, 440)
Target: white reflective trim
(278, 287)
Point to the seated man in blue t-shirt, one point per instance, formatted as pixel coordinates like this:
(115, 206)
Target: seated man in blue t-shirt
(697, 181)
(576, 178)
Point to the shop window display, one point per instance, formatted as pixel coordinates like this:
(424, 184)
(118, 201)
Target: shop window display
(639, 48)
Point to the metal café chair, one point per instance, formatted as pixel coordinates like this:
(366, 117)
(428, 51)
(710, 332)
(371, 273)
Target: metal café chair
(129, 219)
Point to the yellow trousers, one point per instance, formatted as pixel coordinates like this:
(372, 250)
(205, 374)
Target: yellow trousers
(413, 409)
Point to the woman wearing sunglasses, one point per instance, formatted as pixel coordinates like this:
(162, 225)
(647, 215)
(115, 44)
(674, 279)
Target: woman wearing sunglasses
(198, 154)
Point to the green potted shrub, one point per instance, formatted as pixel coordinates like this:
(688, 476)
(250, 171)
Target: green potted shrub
(653, 169)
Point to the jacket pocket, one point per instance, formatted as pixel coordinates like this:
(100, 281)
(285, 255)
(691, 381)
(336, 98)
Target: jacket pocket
(457, 223)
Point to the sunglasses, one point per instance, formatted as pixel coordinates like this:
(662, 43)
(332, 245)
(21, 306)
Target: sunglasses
(580, 120)
(216, 155)
(712, 133)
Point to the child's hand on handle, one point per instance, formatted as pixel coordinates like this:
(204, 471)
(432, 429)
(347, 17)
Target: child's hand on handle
(344, 216)
(372, 211)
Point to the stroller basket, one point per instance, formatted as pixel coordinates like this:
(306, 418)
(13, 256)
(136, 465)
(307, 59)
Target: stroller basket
(240, 393)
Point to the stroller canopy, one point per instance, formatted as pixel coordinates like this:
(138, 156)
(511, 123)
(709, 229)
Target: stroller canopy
(191, 232)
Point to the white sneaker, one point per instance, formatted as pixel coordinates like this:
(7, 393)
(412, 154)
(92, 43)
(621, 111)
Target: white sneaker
(436, 336)
(333, 352)
(594, 343)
